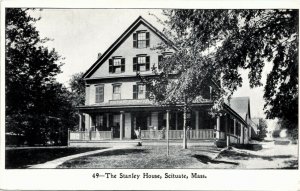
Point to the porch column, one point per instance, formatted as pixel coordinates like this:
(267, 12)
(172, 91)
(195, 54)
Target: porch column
(197, 120)
(218, 128)
(227, 130)
(167, 130)
(176, 120)
(234, 126)
(107, 120)
(121, 124)
(249, 131)
(80, 122)
(242, 133)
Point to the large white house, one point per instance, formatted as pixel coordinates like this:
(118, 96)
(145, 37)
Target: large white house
(117, 105)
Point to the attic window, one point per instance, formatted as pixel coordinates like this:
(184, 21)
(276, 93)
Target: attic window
(141, 39)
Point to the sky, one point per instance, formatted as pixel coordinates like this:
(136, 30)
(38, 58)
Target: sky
(80, 34)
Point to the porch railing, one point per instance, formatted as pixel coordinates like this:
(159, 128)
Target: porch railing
(201, 134)
(153, 134)
(234, 139)
(89, 135)
(178, 134)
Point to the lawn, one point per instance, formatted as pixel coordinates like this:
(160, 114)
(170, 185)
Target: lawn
(264, 156)
(152, 157)
(25, 157)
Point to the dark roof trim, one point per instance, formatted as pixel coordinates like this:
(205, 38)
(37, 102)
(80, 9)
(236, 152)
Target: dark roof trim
(118, 42)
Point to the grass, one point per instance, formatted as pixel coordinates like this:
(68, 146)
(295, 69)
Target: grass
(153, 157)
(24, 157)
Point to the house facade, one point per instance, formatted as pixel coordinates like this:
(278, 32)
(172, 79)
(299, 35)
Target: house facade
(117, 104)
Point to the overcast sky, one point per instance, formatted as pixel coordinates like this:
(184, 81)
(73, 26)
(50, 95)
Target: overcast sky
(80, 34)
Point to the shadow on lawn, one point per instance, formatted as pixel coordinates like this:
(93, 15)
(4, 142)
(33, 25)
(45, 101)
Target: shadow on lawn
(205, 159)
(246, 156)
(87, 159)
(120, 152)
(22, 158)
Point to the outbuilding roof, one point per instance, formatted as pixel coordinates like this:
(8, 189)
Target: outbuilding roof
(241, 105)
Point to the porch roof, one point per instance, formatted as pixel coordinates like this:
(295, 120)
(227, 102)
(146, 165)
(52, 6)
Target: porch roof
(133, 104)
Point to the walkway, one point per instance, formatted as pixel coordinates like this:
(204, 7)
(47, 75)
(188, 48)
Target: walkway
(59, 161)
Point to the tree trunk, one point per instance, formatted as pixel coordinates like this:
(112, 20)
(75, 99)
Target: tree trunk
(184, 125)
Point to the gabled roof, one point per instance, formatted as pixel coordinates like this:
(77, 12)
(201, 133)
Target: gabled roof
(121, 39)
(240, 105)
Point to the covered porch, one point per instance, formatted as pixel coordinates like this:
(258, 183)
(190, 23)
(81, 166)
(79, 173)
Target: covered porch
(150, 123)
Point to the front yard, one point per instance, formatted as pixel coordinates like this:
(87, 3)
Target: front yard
(16, 158)
(152, 157)
(271, 156)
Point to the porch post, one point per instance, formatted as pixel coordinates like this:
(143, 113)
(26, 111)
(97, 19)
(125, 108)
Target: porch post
(167, 130)
(80, 122)
(234, 126)
(176, 120)
(227, 130)
(121, 124)
(197, 120)
(218, 128)
(242, 133)
(107, 120)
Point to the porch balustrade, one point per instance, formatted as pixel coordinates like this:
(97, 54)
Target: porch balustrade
(178, 134)
(234, 139)
(89, 135)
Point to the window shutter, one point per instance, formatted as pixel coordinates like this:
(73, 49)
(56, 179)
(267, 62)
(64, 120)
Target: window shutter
(147, 63)
(134, 40)
(123, 65)
(110, 66)
(147, 39)
(160, 59)
(134, 64)
(135, 91)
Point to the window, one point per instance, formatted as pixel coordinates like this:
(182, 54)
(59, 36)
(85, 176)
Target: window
(99, 120)
(99, 94)
(206, 92)
(116, 65)
(141, 39)
(140, 91)
(141, 63)
(116, 91)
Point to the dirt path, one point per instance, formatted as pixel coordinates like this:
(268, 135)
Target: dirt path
(272, 156)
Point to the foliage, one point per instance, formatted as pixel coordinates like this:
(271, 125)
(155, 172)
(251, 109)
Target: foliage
(262, 126)
(78, 88)
(37, 107)
(291, 127)
(225, 41)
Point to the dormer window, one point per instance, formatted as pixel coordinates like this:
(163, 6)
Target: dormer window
(141, 39)
(141, 63)
(116, 65)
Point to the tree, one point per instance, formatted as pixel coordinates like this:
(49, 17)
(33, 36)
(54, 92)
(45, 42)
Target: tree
(245, 39)
(78, 88)
(262, 127)
(30, 70)
(182, 79)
